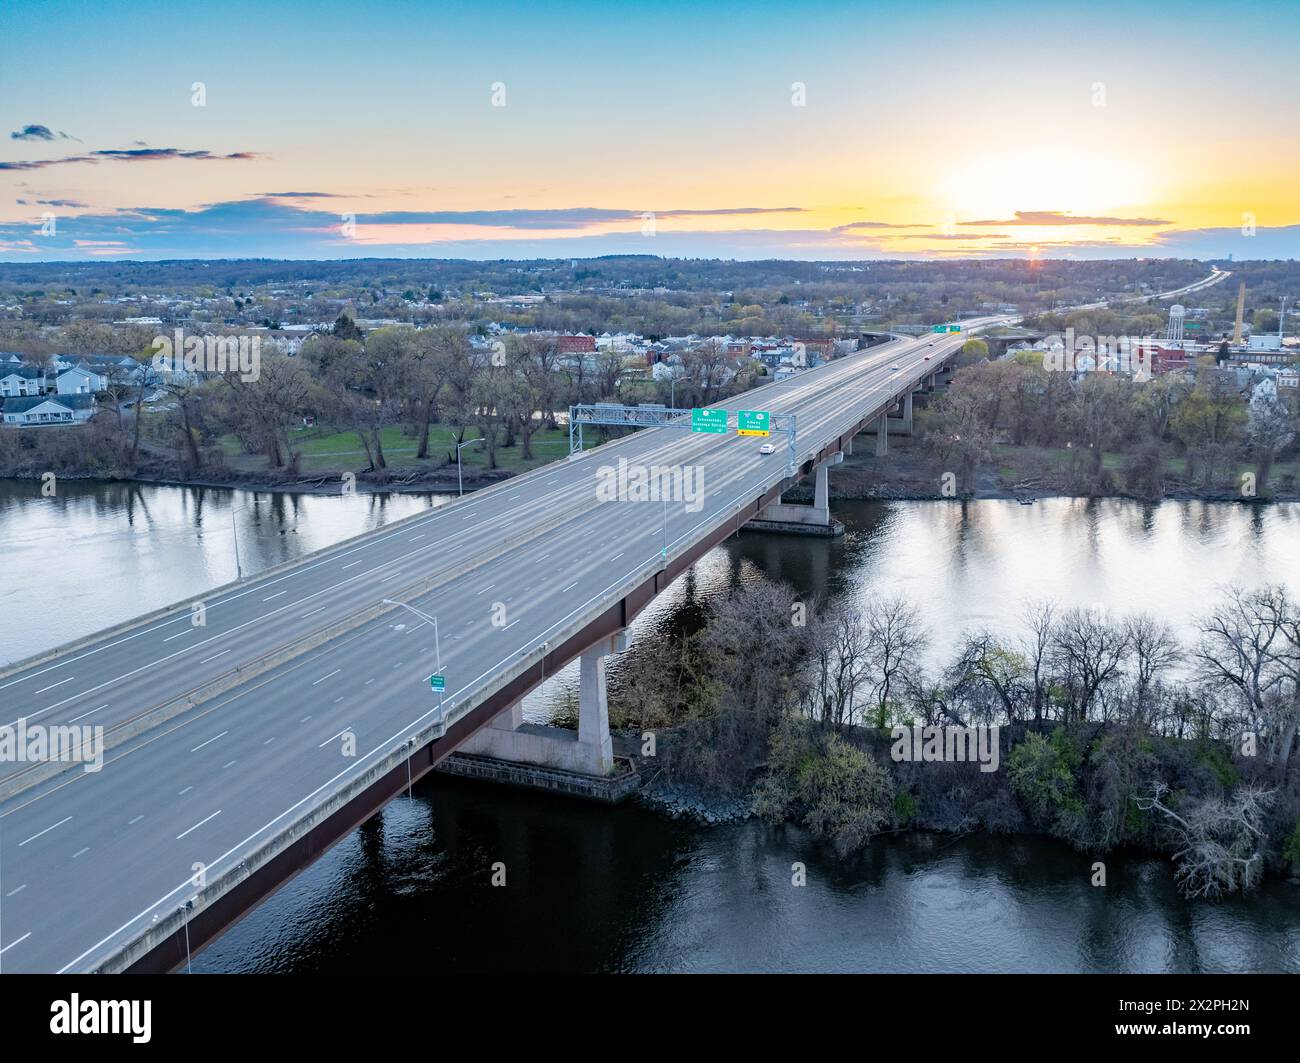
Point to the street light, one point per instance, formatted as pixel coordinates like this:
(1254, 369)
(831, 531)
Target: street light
(234, 528)
(460, 483)
(437, 647)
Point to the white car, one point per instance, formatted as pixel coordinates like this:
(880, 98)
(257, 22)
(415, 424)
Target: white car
(767, 448)
(893, 368)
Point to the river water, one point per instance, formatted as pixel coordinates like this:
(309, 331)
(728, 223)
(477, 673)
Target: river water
(592, 888)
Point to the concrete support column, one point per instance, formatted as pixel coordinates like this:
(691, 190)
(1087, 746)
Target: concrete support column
(511, 718)
(593, 705)
(822, 495)
(848, 447)
(882, 435)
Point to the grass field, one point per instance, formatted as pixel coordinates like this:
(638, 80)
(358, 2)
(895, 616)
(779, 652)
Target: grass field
(325, 450)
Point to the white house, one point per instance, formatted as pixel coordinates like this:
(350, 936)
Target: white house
(49, 409)
(1264, 393)
(21, 381)
(79, 380)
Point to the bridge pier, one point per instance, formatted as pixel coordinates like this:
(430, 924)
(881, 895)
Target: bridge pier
(781, 516)
(882, 435)
(902, 425)
(588, 752)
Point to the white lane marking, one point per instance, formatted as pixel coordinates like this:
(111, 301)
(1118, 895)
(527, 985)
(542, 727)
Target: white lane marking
(350, 564)
(18, 890)
(511, 624)
(304, 719)
(337, 700)
(312, 613)
(209, 741)
(325, 677)
(570, 586)
(45, 831)
(185, 791)
(198, 825)
(136, 820)
(178, 634)
(269, 741)
(414, 537)
(484, 590)
(80, 851)
(53, 685)
(227, 764)
(214, 657)
(618, 555)
(368, 682)
(332, 737)
(275, 595)
(85, 714)
(19, 941)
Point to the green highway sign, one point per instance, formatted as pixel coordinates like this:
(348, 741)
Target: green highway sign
(708, 420)
(945, 328)
(438, 682)
(753, 423)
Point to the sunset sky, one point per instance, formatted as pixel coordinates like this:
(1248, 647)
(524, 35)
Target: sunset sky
(745, 130)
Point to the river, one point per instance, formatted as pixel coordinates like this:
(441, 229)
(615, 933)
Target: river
(592, 888)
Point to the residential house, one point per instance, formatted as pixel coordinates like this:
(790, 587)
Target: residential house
(48, 409)
(21, 381)
(79, 380)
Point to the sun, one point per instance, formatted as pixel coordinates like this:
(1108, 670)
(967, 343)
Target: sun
(994, 187)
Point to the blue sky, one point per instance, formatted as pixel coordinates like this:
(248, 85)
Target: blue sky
(822, 130)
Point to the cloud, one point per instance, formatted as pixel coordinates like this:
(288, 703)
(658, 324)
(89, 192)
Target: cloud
(129, 155)
(39, 132)
(1060, 217)
(856, 225)
(269, 227)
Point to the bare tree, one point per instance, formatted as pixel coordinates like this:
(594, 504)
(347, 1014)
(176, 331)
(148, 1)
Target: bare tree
(1251, 645)
(1220, 841)
(1088, 653)
(1155, 650)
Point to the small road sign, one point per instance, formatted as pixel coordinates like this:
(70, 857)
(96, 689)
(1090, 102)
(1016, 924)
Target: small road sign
(753, 423)
(438, 682)
(707, 420)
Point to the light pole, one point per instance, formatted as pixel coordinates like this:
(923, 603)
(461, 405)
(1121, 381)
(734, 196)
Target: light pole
(460, 483)
(437, 647)
(234, 528)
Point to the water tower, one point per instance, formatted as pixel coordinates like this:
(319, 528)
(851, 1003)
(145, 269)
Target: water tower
(1174, 333)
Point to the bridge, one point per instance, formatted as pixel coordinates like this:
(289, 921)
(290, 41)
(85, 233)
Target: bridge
(248, 731)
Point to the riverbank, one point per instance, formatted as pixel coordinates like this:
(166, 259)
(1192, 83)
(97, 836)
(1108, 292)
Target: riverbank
(909, 472)
(399, 482)
(957, 798)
